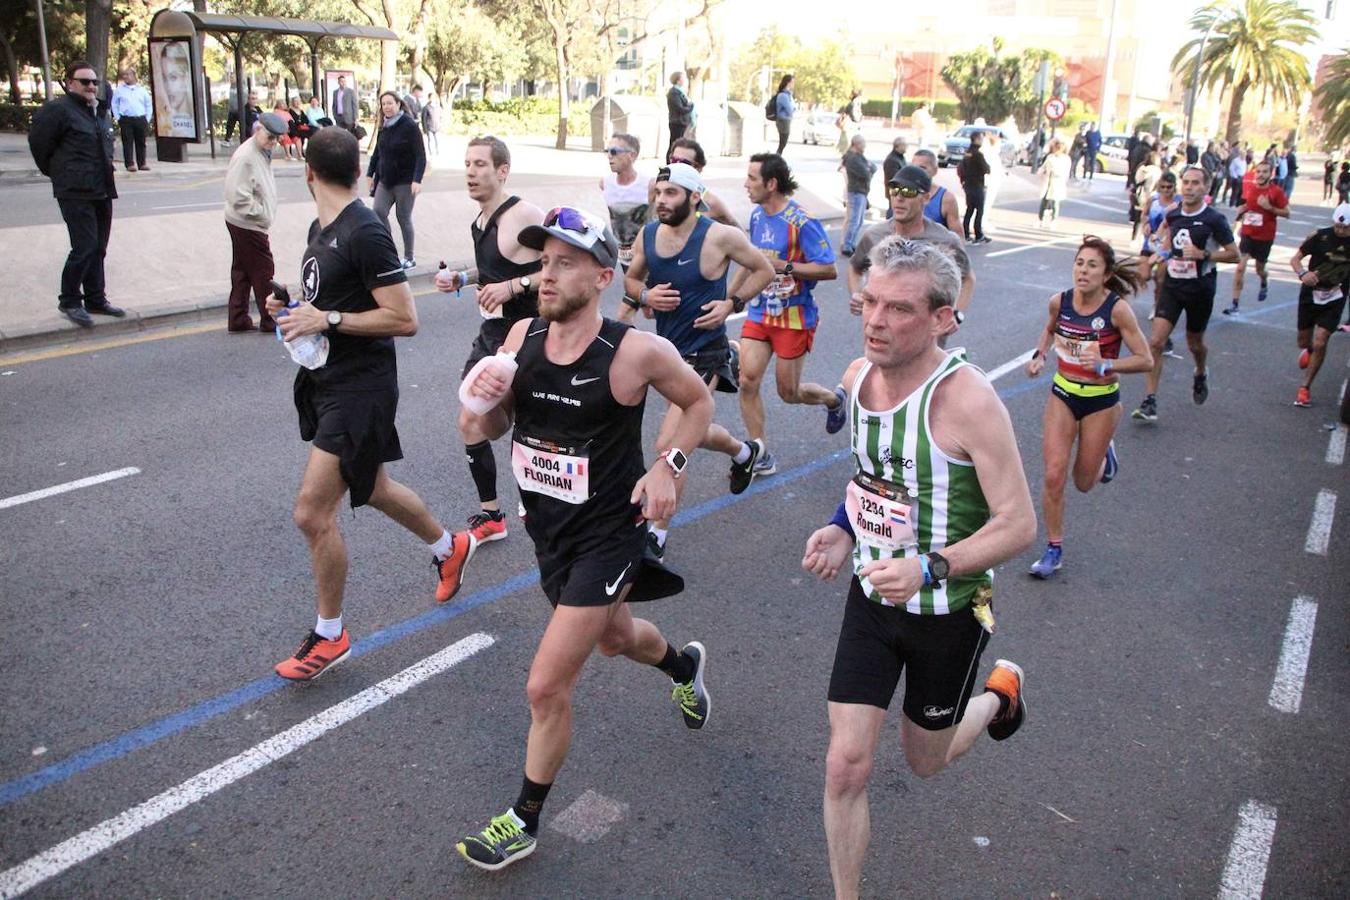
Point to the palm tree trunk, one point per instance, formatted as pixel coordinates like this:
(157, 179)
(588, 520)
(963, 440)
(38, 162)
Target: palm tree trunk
(1234, 130)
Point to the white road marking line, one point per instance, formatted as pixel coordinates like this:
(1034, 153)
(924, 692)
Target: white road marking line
(590, 817)
(43, 494)
(88, 844)
(1010, 365)
(1058, 240)
(1286, 693)
(1244, 875)
(1336, 446)
(1319, 532)
(188, 205)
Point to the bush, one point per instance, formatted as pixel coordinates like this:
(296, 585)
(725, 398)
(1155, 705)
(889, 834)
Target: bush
(517, 116)
(16, 118)
(942, 110)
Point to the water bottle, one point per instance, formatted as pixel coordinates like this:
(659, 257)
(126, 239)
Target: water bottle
(310, 350)
(504, 363)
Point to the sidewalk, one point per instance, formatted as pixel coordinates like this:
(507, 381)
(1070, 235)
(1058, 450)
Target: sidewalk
(151, 276)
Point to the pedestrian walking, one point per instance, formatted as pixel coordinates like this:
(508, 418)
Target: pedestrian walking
(232, 111)
(1055, 178)
(396, 169)
(1093, 142)
(679, 108)
(414, 104)
(72, 145)
(131, 110)
(784, 107)
(1328, 179)
(431, 123)
(1291, 158)
(971, 172)
(250, 208)
(1237, 171)
(858, 172)
(1077, 150)
(850, 117)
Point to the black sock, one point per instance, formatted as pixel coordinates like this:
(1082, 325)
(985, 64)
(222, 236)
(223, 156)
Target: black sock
(679, 666)
(531, 802)
(483, 468)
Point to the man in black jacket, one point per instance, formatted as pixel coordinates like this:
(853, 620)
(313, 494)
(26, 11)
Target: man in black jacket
(679, 107)
(72, 145)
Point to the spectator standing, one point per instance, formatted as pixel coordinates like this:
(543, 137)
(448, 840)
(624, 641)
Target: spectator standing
(1343, 184)
(232, 111)
(993, 182)
(396, 169)
(858, 172)
(72, 145)
(1192, 154)
(131, 109)
(1093, 141)
(1328, 178)
(1077, 149)
(850, 117)
(1055, 174)
(784, 107)
(413, 104)
(431, 123)
(894, 162)
(250, 209)
(1212, 163)
(922, 120)
(1237, 170)
(1291, 159)
(679, 108)
(972, 171)
(345, 110)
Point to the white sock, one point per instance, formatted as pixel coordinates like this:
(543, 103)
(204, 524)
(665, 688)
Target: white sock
(441, 547)
(660, 535)
(742, 455)
(329, 629)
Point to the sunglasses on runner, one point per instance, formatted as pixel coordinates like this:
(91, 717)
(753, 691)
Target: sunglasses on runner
(572, 226)
(908, 193)
(569, 219)
(615, 151)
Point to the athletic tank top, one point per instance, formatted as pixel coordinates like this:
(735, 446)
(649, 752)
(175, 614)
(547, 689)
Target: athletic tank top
(932, 210)
(576, 452)
(683, 273)
(493, 267)
(623, 193)
(1156, 212)
(908, 497)
(1073, 330)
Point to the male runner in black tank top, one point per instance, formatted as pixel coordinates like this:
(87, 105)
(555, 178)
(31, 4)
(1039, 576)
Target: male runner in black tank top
(576, 403)
(503, 269)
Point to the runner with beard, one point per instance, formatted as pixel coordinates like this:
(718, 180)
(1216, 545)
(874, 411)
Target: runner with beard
(506, 295)
(575, 403)
(679, 273)
(690, 152)
(1263, 202)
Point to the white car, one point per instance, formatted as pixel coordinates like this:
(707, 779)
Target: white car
(820, 128)
(1113, 156)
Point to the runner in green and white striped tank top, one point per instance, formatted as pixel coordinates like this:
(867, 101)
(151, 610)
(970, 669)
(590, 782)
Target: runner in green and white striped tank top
(946, 502)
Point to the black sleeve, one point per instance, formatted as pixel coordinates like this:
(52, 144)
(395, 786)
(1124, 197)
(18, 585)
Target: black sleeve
(374, 158)
(374, 257)
(43, 135)
(419, 152)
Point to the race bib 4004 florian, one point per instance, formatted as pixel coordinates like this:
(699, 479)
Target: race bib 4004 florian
(562, 473)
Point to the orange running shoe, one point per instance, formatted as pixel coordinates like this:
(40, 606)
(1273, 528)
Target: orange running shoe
(487, 526)
(1006, 681)
(316, 655)
(1304, 357)
(450, 571)
(1303, 398)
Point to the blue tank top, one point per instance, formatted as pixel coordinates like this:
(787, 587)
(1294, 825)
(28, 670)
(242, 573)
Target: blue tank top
(932, 210)
(683, 273)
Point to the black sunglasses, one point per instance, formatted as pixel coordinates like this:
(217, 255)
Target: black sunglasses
(615, 151)
(908, 193)
(87, 82)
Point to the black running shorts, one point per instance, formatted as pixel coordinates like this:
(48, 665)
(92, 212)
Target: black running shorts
(1326, 316)
(939, 655)
(355, 426)
(1257, 250)
(1198, 305)
(714, 358)
(597, 576)
(490, 339)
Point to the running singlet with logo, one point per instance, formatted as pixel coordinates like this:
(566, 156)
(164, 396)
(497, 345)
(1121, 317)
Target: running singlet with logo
(683, 272)
(1207, 229)
(493, 268)
(1073, 330)
(576, 452)
(932, 210)
(794, 236)
(909, 497)
(1329, 257)
(1257, 223)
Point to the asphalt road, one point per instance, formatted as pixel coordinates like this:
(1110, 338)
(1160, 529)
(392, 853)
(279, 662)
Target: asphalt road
(142, 616)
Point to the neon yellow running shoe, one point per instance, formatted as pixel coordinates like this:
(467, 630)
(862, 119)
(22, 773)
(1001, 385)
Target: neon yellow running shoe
(503, 842)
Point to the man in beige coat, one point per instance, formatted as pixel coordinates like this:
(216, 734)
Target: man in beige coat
(250, 207)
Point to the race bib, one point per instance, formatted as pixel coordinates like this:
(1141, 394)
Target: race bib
(880, 512)
(1182, 268)
(1071, 350)
(1326, 295)
(1255, 219)
(562, 473)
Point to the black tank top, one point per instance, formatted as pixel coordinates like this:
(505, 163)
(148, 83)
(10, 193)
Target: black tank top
(576, 451)
(493, 267)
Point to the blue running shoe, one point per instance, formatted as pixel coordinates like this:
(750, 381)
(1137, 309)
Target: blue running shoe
(1262, 294)
(837, 418)
(1049, 562)
(1112, 464)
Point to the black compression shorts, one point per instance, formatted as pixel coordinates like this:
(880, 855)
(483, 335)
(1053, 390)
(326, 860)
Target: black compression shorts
(1198, 305)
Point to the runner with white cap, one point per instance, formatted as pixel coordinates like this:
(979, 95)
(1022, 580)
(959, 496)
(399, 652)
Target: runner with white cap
(1324, 282)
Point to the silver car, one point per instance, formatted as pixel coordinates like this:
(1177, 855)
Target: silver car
(954, 148)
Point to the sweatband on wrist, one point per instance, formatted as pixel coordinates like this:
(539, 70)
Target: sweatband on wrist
(1104, 366)
(923, 567)
(840, 518)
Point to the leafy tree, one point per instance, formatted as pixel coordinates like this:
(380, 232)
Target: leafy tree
(1333, 97)
(464, 43)
(772, 54)
(19, 47)
(993, 87)
(824, 74)
(1252, 44)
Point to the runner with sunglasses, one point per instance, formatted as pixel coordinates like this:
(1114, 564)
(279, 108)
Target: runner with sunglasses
(679, 273)
(908, 192)
(1087, 325)
(506, 294)
(574, 407)
(626, 192)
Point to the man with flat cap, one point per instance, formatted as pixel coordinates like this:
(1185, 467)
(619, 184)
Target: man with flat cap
(908, 192)
(250, 207)
(574, 409)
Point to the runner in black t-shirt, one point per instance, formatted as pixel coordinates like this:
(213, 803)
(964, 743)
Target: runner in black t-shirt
(1325, 281)
(355, 293)
(1198, 236)
(502, 271)
(576, 404)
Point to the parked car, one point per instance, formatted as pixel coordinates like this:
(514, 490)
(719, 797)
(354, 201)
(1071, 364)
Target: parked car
(954, 148)
(820, 128)
(1113, 157)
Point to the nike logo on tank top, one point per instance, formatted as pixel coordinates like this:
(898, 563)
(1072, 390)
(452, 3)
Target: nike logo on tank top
(683, 272)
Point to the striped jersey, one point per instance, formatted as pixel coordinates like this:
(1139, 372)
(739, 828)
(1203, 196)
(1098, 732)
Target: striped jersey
(945, 502)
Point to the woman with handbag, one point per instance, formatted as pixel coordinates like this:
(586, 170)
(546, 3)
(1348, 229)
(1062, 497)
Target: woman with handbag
(396, 168)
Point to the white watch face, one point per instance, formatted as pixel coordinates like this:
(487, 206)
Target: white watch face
(524, 282)
(335, 319)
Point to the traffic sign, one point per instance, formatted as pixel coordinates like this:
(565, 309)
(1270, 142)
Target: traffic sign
(1055, 109)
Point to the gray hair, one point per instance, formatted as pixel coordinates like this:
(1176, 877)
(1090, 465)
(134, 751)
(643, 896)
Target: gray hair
(926, 153)
(896, 255)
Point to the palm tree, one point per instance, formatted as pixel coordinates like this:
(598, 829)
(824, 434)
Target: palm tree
(1333, 96)
(1251, 44)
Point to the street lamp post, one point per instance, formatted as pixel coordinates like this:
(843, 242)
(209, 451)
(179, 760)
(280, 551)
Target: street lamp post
(1195, 77)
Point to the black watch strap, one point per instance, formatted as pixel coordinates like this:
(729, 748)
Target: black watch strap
(737, 304)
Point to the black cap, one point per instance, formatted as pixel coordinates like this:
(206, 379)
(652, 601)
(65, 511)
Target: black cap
(912, 177)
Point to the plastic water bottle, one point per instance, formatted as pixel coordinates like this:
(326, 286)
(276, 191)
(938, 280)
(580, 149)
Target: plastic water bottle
(310, 350)
(504, 363)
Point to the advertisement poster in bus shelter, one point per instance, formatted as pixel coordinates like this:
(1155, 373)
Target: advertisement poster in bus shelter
(174, 88)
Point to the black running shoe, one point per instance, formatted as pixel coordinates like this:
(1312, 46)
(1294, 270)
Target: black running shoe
(692, 696)
(1147, 411)
(655, 549)
(744, 473)
(1200, 389)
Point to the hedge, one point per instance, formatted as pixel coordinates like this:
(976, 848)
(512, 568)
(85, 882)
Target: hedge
(942, 110)
(16, 118)
(519, 115)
